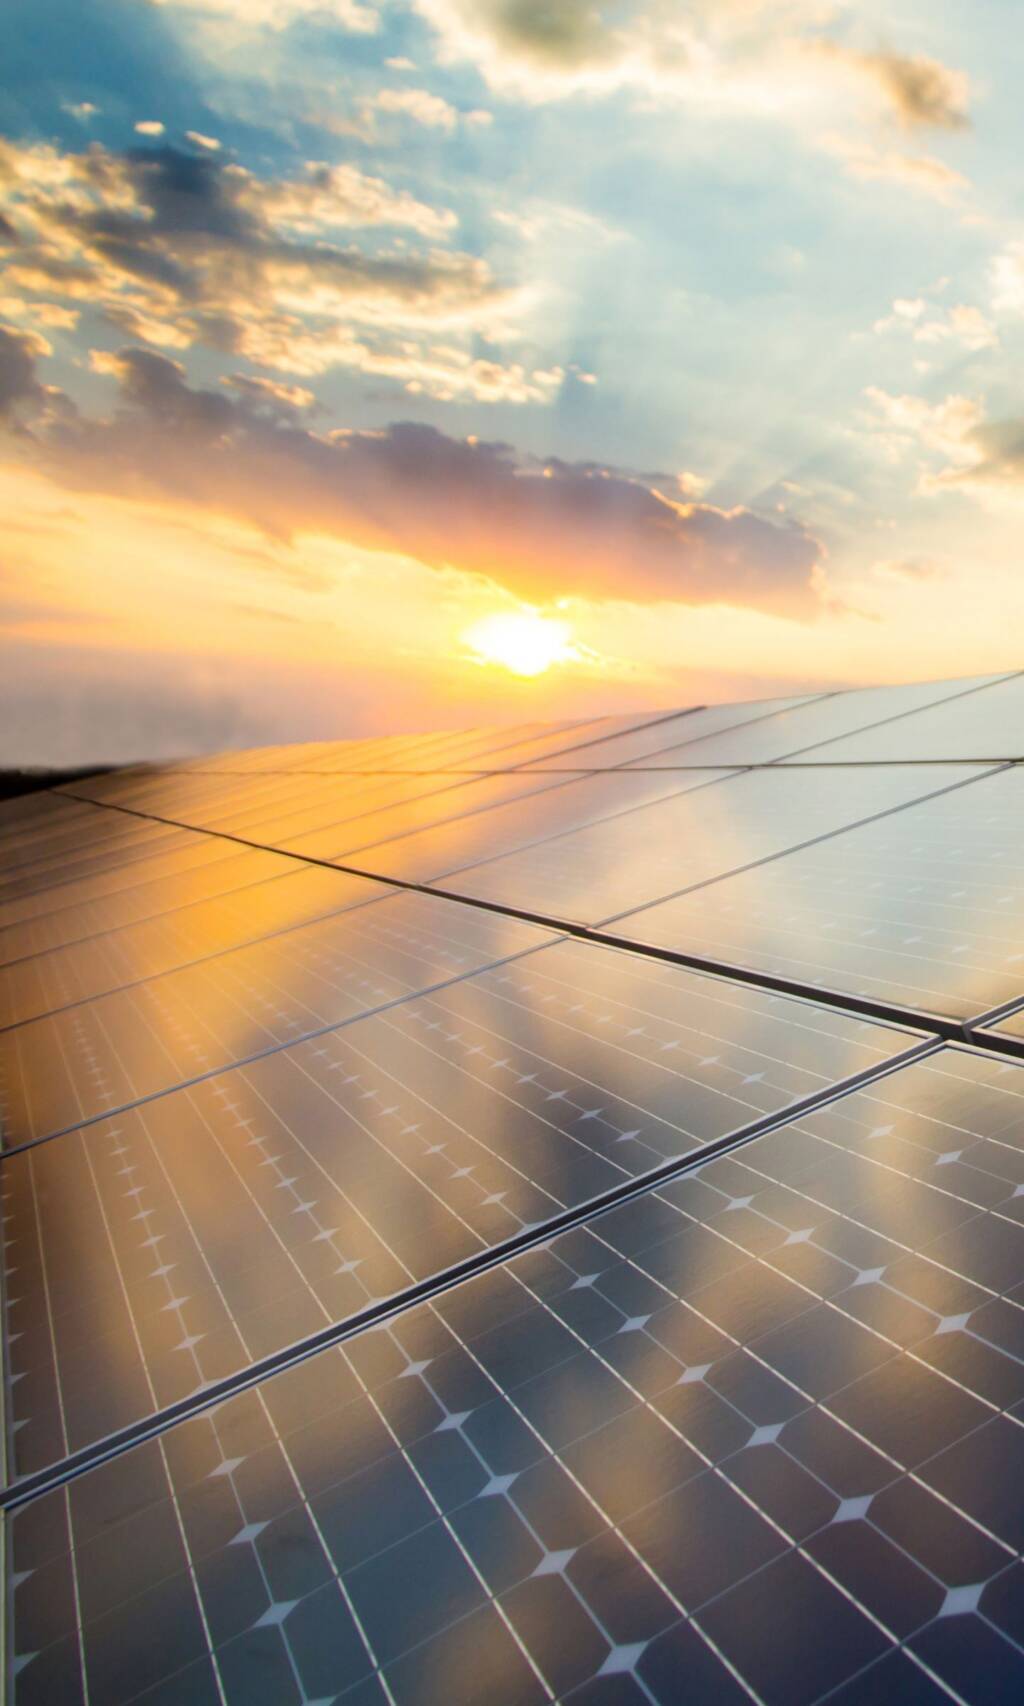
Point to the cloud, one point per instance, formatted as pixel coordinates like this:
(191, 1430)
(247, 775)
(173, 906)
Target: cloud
(19, 386)
(149, 127)
(432, 111)
(1007, 277)
(177, 249)
(946, 426)
(922, 172)
(991, 454)
(760, 53)
(253, 15)
(910, 569)
(510, 37)
(921, 91)
(539, 529)
(269, 392)
(979, 454)
(963, 324)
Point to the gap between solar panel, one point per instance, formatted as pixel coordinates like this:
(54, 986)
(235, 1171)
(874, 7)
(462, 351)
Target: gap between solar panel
(993, 1041)
(948, 1029)
(114, 1445)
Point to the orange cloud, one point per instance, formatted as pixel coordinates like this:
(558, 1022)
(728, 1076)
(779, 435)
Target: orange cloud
(179, 249)
(539, 529)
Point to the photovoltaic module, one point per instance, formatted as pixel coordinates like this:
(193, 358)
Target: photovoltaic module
(522, 1215)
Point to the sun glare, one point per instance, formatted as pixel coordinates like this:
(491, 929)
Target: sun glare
(523, 642)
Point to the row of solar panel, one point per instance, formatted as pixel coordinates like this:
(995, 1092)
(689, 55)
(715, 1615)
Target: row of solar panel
(908, 906)
(784, 1386)
(974, 719)
(783, 1392)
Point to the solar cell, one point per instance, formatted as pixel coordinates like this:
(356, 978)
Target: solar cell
(922, 907)
(105, 1053)
(453, 798)
(1011, 1026)
(695, 837)
(179, 851)
(64, 976)
(537, 818)
(143, 899)
(808, 722)
(749, 1431)
(987, 724)
(175, 1241)
(645, 745)
(33, 883)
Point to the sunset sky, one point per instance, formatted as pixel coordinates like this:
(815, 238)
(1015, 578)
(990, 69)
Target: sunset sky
(686, 334)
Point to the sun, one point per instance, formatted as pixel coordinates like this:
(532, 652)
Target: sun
(523, 641)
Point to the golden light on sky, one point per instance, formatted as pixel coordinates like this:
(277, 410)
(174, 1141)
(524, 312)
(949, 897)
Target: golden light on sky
(401, 422)
(523, 641)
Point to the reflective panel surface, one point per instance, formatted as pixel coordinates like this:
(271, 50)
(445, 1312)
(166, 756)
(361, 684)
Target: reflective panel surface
(808, 722)
(1011, 1026)
(179, 852)
(645, 745)
(50, 981)
(101, 843)
(757, 1435)
(229, 869)
(538, 818)
(924, 908)
(168, 1246)
(985, 724)
(103, 1054)
(459, 797)
(597, 873)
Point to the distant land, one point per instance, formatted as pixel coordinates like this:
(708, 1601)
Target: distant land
(15, 782)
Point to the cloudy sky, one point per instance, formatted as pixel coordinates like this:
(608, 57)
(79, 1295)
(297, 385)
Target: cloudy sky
(358, 358)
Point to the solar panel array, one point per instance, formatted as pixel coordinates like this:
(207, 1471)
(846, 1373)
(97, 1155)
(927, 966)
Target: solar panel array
(520, 1215)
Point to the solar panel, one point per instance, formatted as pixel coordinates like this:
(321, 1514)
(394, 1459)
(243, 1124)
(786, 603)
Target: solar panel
(670, 734)
(570, 1252)
(255, 1206)
(918, 907)
(809, 723)
(978, 724)
(717, 824)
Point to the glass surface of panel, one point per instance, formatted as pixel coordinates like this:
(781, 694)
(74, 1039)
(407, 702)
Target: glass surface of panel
(924, 908)
(104, 844)
(597, 873)
(50, 981)
(334, 834)
(173, 1243)
(238, 869)
(987, 723)
(1011, 1026)
(179, 851)
(645, 745)
(552, 737)
(102, 1055)
(805, 723)
(537, 818)
(86, 827)
(757, 1434)
(32, 814)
